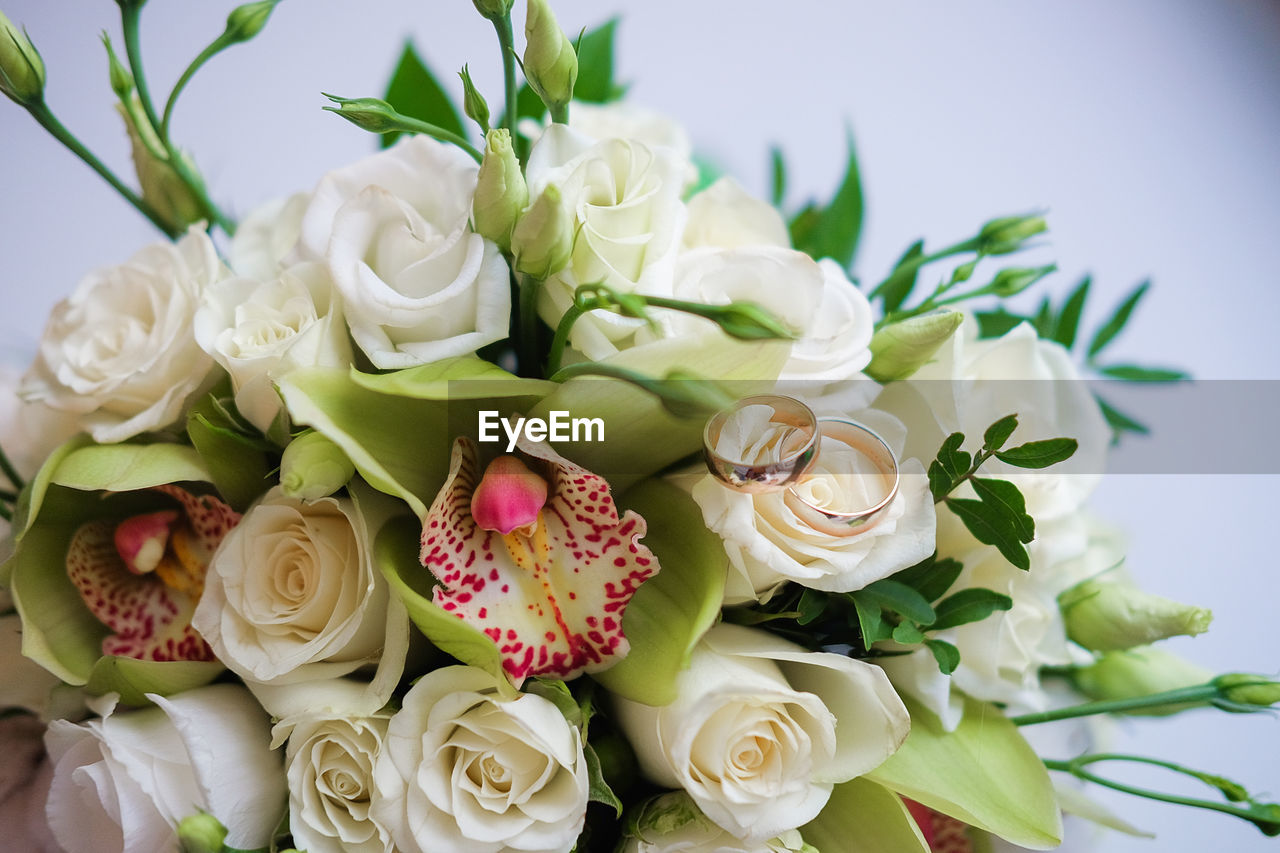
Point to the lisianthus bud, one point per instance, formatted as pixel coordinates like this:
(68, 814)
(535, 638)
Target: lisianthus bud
(751, 322)
(493, 9)
(1245, 689)
(313, 467)
(1012, 281)
(900, 349)
(542, 240)
(162, 187)
(473, 103)
(509, 496)
(370, 114)
(1007, 233)
(501, 192)
(672, 822)
(201, 833)
(550, 63)
(121, 79)
(1111, 615)
(21, 68)
(247, 21)
(1134, 673)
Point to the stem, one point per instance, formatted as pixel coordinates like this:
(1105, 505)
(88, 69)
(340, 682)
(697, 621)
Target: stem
(560, 114)
(8, 469)
(205, 55)
(437, 132)
(970, 245)
(6, 513)
(45, 117)
(1199, 693)
(506, 40)
(978, 460)
(527, 347)
(561, 339)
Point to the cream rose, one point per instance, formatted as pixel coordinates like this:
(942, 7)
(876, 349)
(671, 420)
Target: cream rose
(119, 352)
(292, 596)
(671, 823)
(260, 331)
(123, 782)
(624, 202)
(417, 283)
(761, 730)
(267, 240)
(726, 216)
(466, 768)
(768, 544)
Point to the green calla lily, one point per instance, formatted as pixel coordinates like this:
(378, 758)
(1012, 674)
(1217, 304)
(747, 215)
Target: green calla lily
(866, 817)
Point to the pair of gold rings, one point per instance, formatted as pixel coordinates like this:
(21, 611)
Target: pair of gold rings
(784, 438)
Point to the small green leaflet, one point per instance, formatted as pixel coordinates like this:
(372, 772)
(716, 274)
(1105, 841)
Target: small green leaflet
(991, 526)
(998, 433)
(949, 467)
(598, 790)
(833, 231)
(1119, 421)
(899, 598)
(871, 622)
(997, 323)
(1039, 454)
(932, 577)
(1137, 373)
(898, 286)
(1108, 331)
(1068, 323)
(414, 91)
(1005, 495)
(969, 605)
(595, 66)
(812, 604)
(778, 170)
(947, 655)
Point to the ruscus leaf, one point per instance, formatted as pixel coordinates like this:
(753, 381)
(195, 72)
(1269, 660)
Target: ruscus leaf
(1006, 497)
(1068, 324)
(1138, 373)
(1039, 454)
(1116, 323)
(991, 528)
(998, 433)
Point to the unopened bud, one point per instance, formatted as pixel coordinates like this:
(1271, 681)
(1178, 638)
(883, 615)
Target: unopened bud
(119, 76)
(1014, 280)
(494, 9)
(1008, 233)
(1139, 672)
(1109, 615)
(748, 321)
(542, 240)
(201, 833)
(473, 103)
(1245, 689)
(21, 68)
(247, 21)
(367, 113)
(900, 349)
(550, 63)
(162, 186)
(313, 467)
(501, 192)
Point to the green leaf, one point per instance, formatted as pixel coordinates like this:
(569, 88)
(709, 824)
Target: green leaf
(128, 467)
(415, 92)
(778, 171)
(898, 286)
(598, 790)
(1108, 331)
(984, 773)
(969, 605)
(931, 578)
(133, 679)
(834, 231)
(907, 634)
(709, 171)
(951, 464)
(529, 104)
(990, 527)
(946, 655)
(1044, 320)
(1039, 454)
(1068, 324)
(595, 65)
(899, 598)
(1120, 422)
(802, 225)
(395, 553)
(462, 378)
(865, 817)
(1005, 496)
(672, 610)
(998, 433)
(240, 470)
(871, 622)
(1137, 373)
(993, 324)
(812, 604)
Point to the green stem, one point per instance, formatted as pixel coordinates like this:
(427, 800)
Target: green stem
(970, 245)
(560, 114)
(11, 472)
(6, 513)
(561, 339)
(205, 55)
(437, 132)
(527, 346)
(978, 460)
(506, 40)
(1199, 693)
(45, 117)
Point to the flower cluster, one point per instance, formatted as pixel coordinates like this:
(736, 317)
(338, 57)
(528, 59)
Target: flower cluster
(282, 590)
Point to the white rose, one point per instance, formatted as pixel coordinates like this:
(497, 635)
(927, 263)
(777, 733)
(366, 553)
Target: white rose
(292, 596)
(467, 768)
(119, 352)
(417, 283)
(266, 240)
(726, 216)
(625, 120)
(260, 331)
(761, 730)
(123, 782)
(29, 432)
(671, 823)
(624, 200)
(769, 544)
(972, 383)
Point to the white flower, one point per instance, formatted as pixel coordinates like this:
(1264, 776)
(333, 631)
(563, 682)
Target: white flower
(266, 240)
(292, 596)
(625, 120)
(123, 782)
(329, 762)
(119, 351)
(467, 768)
(972, 383)
(768, 544)
(261, 330)
(417, 283)
(761, 730)
(624, 199)
(726, 216)
(671, 823)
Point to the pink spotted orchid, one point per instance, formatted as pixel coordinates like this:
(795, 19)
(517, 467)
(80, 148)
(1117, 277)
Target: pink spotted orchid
(542, 564)
(142, 577)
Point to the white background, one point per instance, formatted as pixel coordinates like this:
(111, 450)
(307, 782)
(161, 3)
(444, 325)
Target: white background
(1147, 129)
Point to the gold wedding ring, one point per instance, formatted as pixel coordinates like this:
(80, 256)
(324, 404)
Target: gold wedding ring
(850, 522)
(788, 443)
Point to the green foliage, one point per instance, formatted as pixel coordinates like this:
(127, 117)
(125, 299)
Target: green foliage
(595, 83)
(831, 230)
(414, 91)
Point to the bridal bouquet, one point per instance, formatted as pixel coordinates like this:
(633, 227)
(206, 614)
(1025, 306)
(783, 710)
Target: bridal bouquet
(526, 486)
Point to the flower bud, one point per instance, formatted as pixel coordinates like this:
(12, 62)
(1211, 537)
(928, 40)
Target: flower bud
(1014, 280)
(21, 68)
(501, 192)
(672, 821)
(542, 240)
(550, 63)
(473, 103)
(162, 186)
(1245, 689)
(119, 76)
(247, 21)
(900, 349)
(494, 9)
(313, 467)
(509, 497)
(201, 833)
(748, 321)
(1007, 233)
(1111, 615)
(369, 114)
(1139, 672)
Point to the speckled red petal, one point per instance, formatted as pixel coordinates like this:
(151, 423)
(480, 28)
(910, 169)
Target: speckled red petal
(209, 518)
(553, 601)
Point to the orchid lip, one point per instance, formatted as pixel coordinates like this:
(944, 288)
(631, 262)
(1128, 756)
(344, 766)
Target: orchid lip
(509, 497)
